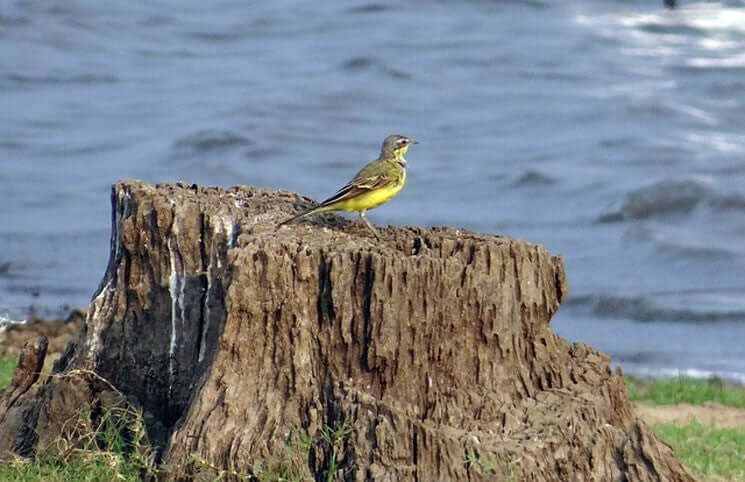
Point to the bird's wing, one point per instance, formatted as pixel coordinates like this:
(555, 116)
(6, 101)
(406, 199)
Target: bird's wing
(356, 187)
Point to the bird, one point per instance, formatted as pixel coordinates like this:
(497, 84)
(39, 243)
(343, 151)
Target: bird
(374, 184)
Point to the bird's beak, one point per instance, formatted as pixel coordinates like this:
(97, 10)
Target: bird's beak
(412, 141)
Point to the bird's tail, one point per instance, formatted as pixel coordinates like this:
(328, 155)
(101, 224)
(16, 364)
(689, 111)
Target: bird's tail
(302, 214)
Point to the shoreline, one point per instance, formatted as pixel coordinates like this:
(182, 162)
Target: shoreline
(56, 325)
(710, 413)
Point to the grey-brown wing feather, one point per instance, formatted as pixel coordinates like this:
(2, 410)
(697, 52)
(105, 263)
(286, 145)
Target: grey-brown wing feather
(352, 189)
(362, 182)
(355, 188)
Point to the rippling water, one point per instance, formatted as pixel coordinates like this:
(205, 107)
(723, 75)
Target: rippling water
(612, 133)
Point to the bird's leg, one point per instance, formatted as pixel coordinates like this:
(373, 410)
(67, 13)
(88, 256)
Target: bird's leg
(369, 225)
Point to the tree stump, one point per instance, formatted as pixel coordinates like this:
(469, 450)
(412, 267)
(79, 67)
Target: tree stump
(424, 356)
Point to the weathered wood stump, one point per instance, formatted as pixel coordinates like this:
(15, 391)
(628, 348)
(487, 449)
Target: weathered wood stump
(428, 353)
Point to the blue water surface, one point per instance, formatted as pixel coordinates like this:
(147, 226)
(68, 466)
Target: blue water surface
(610, 132)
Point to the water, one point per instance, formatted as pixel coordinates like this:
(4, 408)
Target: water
(610, 132)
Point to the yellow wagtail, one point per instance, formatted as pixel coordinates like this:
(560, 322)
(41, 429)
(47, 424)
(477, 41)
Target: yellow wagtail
(375, 184)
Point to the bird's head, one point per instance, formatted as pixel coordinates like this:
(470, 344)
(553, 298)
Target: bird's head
(396, 146)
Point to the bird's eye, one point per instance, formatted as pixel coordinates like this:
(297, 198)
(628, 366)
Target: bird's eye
(403, 141)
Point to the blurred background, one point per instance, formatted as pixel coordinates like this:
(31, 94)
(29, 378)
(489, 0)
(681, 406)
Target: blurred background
(611, 132)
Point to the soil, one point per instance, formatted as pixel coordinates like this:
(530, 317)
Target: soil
(710, 413)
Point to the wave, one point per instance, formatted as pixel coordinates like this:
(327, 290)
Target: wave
(728, 202)
(701, 19)
(363, 63)
(696, 37)
(644, 309)
(14, 21)
(371, 8)
(211, 140)
(704, 253)
(217, 37)
(673, 243)
(533, 178)
(671, 197)
(16, 79)
(664, 197)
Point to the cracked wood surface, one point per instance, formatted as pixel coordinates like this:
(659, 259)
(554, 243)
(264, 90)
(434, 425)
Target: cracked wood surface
(432, 345)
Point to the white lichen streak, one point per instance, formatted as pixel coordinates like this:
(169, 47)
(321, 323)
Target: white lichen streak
(205, 313)
(94, 318)
(228, 225)
(95, 321)
(225, 225)
(121, 211)
(176, 290)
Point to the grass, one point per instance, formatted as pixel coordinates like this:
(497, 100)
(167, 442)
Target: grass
(487, 465)
(670, 391)
(110, 447)
(710, 453)
(110, 443)
(291, 465)
(7, 367)
(114, 446)
(94, 469)
(107, 441)
(334, 438)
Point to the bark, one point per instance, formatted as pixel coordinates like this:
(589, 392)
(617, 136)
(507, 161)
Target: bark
(14, 417)
(425, 356)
